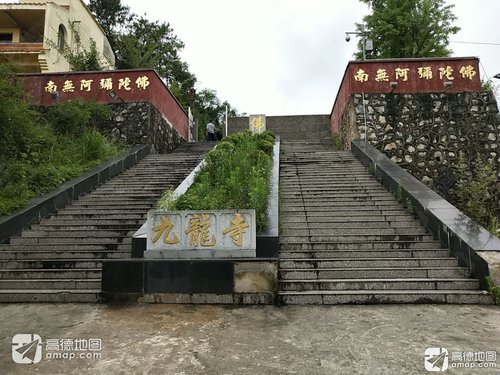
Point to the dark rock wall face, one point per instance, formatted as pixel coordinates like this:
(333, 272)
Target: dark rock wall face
(141, 123)
(430, 135)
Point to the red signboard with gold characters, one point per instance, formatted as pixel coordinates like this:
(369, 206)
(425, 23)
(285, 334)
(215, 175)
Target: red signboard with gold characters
(112, 86)
(414, 75)
(405, 76)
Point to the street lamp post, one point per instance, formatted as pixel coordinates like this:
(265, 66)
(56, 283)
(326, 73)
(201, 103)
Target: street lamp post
(365, 42)
(192, 97)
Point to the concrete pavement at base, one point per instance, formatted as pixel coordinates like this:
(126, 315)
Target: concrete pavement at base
(194, 339)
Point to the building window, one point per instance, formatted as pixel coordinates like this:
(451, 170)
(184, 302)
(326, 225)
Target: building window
(6, 37)
(61, 37)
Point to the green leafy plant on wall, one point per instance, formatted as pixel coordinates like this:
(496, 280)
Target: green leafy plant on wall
(79, 57)
(493, 289)
(338, 142)
(475, 190)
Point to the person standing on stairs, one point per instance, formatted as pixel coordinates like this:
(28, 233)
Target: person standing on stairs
(210, 132)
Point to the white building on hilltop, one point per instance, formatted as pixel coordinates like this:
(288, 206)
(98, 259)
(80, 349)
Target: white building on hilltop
(30, 28)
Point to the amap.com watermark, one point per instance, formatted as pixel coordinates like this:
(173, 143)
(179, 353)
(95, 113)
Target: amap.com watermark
(439, 359)
(28, 348)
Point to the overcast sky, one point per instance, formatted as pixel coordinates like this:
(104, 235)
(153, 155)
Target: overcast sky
(288, 56)
(282, 57)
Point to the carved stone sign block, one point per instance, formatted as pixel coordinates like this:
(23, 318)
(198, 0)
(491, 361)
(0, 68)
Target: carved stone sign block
(257, 123)
(201, 234)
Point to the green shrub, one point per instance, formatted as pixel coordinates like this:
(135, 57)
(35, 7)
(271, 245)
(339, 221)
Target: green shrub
(267, 136)
(95, 146)
(493, 289)
(72, 117)
(494, 225)
(236, 176)
(34, 157)
(475, 190)
(338, 142)
(265, 145)
(17, 118)
(166, 202)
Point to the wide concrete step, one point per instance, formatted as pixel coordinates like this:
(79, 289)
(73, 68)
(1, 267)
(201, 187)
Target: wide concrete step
(50, 295)
(128, 194)
(353, 237)
(137, 183)
(366, 263)
(67, 240)
(23, 255)
(339, 202)
(345, 182)
(118, 216)
(358, 245)
(74, 233)
(103, 222)
(348, 224)
(88, 226)
(77, 210)
(302, 187)
(60, 247)
(345, 212)
(385, 296)
(90, 273)
(328, 165)
(287, 186)
(379, 284)
(370, 254)
(352, 231)
(334, 193)
(98, 204)
(373, 273)
(32, 284)
(347, 220)
(49, 264)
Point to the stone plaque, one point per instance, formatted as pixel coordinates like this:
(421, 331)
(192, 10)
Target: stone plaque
(201, 234)
(257, 123)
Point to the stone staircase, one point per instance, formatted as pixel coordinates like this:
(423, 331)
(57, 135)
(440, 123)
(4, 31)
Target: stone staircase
(345, 239)
(60, 259)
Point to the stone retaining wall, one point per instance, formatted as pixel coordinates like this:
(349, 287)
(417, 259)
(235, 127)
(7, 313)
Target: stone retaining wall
(300, 127)
(141, 123)
(427, 134)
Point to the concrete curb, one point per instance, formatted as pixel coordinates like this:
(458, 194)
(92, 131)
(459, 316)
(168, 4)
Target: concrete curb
(42, 207)
(467, 240)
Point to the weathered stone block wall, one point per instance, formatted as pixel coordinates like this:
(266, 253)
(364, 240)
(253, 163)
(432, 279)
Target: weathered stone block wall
(312, 127)
(427, 134)
(141, 123)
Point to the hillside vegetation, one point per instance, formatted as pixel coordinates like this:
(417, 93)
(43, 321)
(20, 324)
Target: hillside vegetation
(40, 151)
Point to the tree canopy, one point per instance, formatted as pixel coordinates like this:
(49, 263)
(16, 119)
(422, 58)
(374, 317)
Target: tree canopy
(111, 15)
(141, 43)
(408, 28)
(208, 107)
